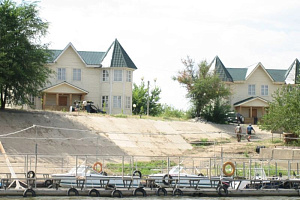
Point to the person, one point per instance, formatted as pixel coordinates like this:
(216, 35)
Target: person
(238, 131)
(249, 131)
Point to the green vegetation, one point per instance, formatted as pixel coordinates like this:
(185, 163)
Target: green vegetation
(206, 90)
(22, 58)
(146, 168)
(283, 112)
(140, 97)
(120, 116)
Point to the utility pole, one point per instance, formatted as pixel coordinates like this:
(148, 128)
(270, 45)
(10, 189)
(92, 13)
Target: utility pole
(148, 99)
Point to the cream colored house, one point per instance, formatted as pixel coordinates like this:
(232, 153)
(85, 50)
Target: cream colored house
(252, 87)
(104, 78)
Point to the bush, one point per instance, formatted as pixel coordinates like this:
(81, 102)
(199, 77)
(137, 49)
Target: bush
(216, 112)
(169, 111)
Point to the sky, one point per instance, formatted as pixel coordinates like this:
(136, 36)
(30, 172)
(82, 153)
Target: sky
(158, 34)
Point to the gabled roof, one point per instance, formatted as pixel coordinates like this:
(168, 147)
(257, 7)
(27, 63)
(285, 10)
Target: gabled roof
(252, 68)
(291, 75)
(116, 56)
(277, 74)
(62, 52)
(64, 83)
(238, 74)
(249, 100)
(218, 67)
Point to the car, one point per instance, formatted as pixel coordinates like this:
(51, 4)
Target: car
(231, 117)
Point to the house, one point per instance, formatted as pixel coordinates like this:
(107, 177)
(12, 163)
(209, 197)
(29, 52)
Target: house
(252, 87)
(105, 78)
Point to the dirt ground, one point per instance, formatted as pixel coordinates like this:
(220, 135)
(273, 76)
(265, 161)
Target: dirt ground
(82, 133)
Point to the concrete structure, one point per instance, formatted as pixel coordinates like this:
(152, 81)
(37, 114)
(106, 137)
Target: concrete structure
(104, 78)
(252, 87)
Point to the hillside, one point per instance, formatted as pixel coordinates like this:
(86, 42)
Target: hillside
(107, 135)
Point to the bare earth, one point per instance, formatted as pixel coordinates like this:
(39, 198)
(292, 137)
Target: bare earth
(107, 135)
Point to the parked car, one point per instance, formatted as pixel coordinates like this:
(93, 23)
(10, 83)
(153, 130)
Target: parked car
(231, 117)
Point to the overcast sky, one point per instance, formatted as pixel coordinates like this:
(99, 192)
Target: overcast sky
(157, 34)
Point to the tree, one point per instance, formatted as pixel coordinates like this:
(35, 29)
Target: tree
(22, 58)
(203, 87)
(140, 98)
(283, 113)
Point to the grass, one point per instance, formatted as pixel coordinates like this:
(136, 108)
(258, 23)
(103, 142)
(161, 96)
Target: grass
(146, 168)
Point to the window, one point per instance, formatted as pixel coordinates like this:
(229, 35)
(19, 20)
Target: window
(251, 89)
(105, 101)
(118, 75)
(76, 74)
(31, 99)
(105, 75)
(128, 77)
(265, 90)
(128, 103)
(61, 74)
(117, 102)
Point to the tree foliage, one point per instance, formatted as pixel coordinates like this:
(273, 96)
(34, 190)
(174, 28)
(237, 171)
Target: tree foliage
(22, 58)
(140, 98)
(283, 113)
(216, 111)
(203, 87)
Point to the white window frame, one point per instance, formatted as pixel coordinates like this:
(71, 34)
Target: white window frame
(76, 74)
(61, 74)
(264, 90)
(251, 89)
(117, 101)
(32, 99)
(128, 102)
(104, 99)
(118, 75)
(105, 75)
(128, 76)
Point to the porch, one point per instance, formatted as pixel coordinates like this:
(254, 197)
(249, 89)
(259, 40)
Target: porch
(252, 109)
(62, 96)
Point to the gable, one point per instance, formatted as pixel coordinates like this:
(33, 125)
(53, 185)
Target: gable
(64, 87)
(258, 70)
(252, 101)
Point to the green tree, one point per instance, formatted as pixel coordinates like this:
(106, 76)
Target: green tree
(283, 113)
(203, 87)
(22, 57)
(140, 98)
(216, 111)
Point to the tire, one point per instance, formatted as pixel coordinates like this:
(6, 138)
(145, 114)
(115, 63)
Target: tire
(177, 192)
(137, 173)
(73, 190)
(94, 191)
(31, 191)
(163, 190)
(116, 192)
(223, 191)
(30, 174)
(48, 182)
(169, 181)
(139, 190)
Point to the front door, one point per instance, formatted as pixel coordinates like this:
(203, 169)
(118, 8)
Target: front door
(63, 101)
(254, 115)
